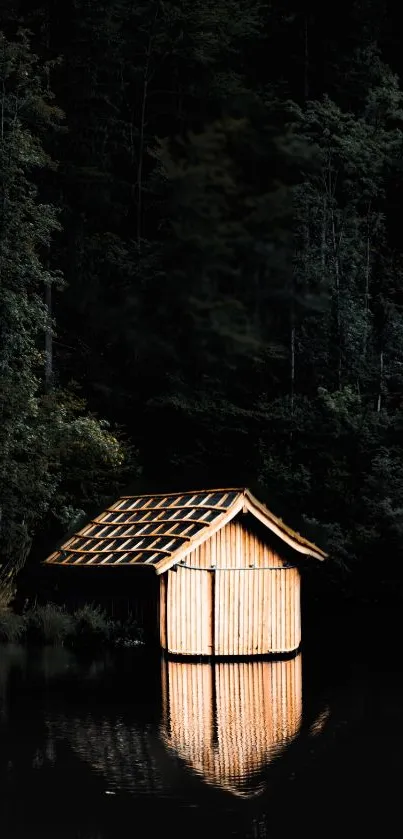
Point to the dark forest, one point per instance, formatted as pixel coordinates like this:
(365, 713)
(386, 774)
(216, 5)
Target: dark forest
(201, 268)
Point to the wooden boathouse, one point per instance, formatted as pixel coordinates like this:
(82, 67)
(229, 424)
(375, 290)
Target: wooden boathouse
(225, 570)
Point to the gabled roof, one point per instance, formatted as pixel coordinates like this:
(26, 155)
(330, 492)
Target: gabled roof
(160, 530)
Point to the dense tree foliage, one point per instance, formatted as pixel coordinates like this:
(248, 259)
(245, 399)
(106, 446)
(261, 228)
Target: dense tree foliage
(45, 438)
(220, 250)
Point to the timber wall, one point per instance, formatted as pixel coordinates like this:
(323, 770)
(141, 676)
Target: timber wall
(233, 596)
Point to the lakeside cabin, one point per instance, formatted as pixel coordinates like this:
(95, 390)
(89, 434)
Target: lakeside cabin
(210, 573)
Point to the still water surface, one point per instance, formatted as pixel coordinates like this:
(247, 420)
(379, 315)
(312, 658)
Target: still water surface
(131, 746)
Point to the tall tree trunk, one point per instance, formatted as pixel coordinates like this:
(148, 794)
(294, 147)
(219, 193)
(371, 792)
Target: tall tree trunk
(48, 340)
(146, 80)
(366, 292)
(306, 58)
(379, 405)
(336, 245)
(323, 241)
(292, 384)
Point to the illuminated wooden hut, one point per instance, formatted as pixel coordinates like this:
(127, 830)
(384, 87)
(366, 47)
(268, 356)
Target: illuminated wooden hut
(228, 721)
(226, 569)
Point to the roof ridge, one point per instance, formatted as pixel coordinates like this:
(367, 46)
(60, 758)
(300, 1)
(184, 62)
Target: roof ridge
(183, 492)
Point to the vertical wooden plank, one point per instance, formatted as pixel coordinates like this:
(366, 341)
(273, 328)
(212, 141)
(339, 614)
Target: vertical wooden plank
(230, 612)
(173, 609)
(206, 554)
(240, 611)
(282, 608)
(185, 621)
(191, 612)
(197, 583)
(220, 549)
(237, 573)
(267, 611)
(226, 575)
(242, 546)
(283, 575)
(292, 609)
(213, 556)
(218, 598)
(295, 612)
(194, 577)
(232, 596)
(195, 589)
(294, 585)
(171, 614)
(210, 640)
(182, 575)
(218, 611)
(163, 611)
(287, 609)
(182, 622)
(179, 609)
(190, 615)
(176, 609)
(202, 606)
(246, 611)
(261, 630)
(198, 615)
(219, 602)
(263, 618)
(250, 575)
(278, 613)
(298, 610)
(204, 611)
(202, 617)
(257, 618)
(252, 580)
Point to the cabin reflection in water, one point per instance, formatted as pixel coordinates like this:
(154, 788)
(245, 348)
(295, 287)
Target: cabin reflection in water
(228, 721)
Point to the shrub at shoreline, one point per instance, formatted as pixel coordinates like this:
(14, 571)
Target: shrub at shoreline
(86, 627)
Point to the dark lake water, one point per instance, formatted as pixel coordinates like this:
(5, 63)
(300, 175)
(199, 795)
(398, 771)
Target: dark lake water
(129, 745)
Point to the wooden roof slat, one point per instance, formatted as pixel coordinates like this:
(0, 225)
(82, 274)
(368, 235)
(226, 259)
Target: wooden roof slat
(140, 535)
(148, 521)
(172, 508)
(118, 551)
